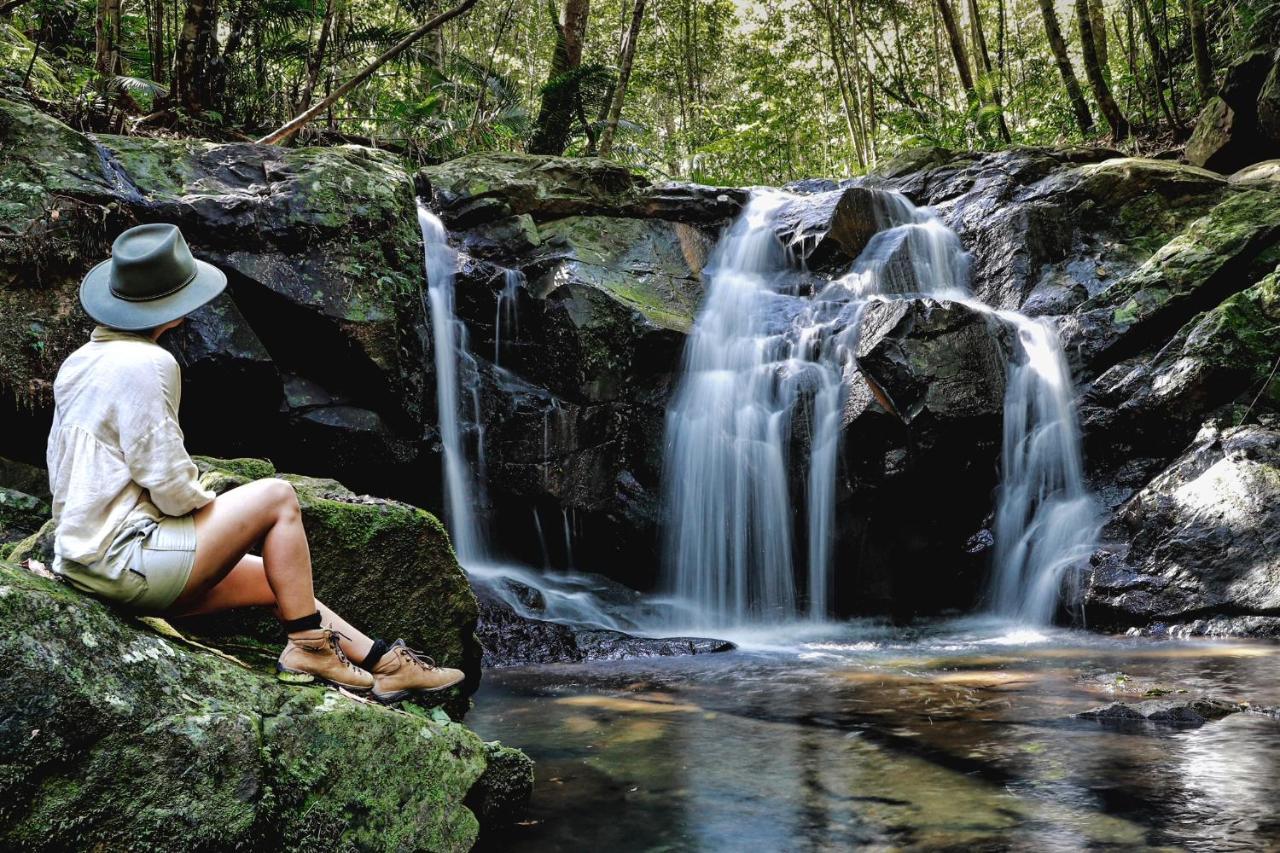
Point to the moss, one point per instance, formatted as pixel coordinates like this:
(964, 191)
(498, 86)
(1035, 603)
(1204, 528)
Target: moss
(118, 738)
(1242, 335)
(1235, 237)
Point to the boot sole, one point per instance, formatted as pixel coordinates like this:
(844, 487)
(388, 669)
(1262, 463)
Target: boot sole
(389, 698)
(297, 677)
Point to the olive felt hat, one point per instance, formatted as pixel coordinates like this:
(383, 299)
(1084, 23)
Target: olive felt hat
(150, 279)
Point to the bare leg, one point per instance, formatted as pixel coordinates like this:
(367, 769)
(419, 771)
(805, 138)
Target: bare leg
(263, 511)
(246, 586)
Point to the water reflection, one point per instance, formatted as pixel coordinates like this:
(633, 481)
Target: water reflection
(937, 737)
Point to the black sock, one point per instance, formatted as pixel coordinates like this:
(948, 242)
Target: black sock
(375, 654)
(306, 623)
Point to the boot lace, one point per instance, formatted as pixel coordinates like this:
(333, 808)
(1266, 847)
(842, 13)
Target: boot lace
(419, 659)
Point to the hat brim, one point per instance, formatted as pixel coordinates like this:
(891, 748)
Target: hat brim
(110, 310)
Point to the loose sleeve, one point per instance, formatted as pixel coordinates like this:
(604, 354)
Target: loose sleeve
(153, 447)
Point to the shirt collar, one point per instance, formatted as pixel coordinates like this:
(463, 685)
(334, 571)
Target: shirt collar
(106, 333)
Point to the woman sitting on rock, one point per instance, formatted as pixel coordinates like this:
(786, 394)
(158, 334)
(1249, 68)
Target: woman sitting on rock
(134, 526)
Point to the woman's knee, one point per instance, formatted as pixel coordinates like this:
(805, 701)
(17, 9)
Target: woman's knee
(281, 495)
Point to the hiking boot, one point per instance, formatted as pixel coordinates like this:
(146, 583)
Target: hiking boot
(316, 655)
(402, 671)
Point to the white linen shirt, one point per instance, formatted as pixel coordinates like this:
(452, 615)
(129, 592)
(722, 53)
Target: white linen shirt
(116, 451)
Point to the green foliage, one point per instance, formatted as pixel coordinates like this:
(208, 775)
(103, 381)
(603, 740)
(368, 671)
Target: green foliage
(721, 91)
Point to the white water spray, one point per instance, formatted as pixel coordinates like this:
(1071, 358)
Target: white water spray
(759, 357)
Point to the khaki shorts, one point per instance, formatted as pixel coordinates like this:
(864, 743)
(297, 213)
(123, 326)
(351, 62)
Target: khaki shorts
(151, 563)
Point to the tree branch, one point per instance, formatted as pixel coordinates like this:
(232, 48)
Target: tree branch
(296, 124)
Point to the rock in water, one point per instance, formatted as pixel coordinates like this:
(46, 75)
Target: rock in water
(116, 737)
(1175, 713)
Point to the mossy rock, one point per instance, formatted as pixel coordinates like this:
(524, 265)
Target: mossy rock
(483, 187)
(20, 515)
(386, 566)
(118, 737)
(1237, 241)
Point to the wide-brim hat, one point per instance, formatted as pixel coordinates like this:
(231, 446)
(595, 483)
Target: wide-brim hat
(150, 279)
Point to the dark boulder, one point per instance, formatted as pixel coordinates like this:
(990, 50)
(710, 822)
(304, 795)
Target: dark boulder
(1174, 713)
(1231, 132)
(830, 228)
(1202, 539)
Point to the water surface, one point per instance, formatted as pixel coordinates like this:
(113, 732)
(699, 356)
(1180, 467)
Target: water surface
(945, 736)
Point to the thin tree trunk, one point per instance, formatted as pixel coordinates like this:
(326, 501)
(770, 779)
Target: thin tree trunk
(1200, 49)
(155, 39)
(957, 49)
(1093, 71)
(292, 127)
(624, 78)
(106, 33)
(316, 60)
(560, 99)
(1098, 17)
(1158, 59)
(1058, 45)
(980, 39)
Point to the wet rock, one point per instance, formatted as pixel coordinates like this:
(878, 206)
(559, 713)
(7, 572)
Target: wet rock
(1152, 404)
(115, 730)
(920, 449)
(1201, 539)
(512, 639)
(1174, 713)
(829, 228)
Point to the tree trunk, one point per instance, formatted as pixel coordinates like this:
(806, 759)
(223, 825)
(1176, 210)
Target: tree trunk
(559, 97)
(190, 78)
(980, 40)
(957, 48)
(292, 127)
(316, 61)
(155, 40)
(1098, 17)
(1058, 45)
(1158, 59)
(1200, 49)
(624, 77)
(1093, 71)
(106, 32)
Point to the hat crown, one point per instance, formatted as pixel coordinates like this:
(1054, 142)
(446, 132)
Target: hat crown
(150, 261)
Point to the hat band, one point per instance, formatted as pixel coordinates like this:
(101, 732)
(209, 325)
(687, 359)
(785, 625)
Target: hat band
(153, 296)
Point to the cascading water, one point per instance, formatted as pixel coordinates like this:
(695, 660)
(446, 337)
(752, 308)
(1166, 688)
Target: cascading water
(759, 357)
(1046, 519)
(449, 345)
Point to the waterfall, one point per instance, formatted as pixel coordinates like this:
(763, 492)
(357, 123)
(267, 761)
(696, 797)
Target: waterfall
(449, 344)
(1046, 519)
(762, 359)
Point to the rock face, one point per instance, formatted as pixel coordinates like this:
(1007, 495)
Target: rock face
(577, 284)
(1239, 125)
(119, 737)
(1202, 539)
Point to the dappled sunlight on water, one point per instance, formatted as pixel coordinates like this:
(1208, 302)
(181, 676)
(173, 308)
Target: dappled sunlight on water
(930, 737)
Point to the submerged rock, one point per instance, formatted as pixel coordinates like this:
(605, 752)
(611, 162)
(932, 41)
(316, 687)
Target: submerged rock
(1175, 713)
(124, 738)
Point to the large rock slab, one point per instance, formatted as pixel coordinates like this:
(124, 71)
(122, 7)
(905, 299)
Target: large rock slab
(1229, 133)
(1202, 538)
(121, 737)
(321, 247)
